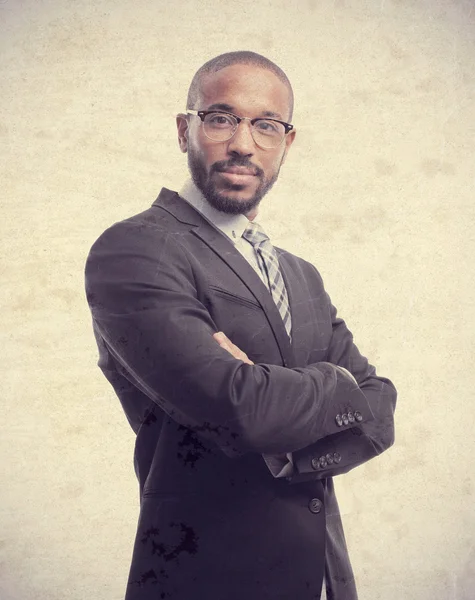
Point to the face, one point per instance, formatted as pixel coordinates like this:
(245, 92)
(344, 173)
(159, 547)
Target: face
(235, 175)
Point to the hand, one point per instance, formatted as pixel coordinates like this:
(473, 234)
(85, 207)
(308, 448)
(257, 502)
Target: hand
(226, 343)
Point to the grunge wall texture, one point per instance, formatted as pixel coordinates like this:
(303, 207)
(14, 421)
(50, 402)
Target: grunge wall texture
(377, 192)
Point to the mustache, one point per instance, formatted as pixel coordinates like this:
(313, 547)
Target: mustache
(222, 165)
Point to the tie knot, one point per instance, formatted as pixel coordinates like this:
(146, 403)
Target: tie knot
(255, 234)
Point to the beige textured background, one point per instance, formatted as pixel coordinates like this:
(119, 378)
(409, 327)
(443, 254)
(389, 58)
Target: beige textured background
(377, 192)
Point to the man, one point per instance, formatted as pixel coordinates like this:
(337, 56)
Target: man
(244, 388)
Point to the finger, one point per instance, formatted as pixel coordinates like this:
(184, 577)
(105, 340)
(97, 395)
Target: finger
(221, 337)
(226, 344)
(236, 353)
(240, 355)
(233, 349)
(227, 347)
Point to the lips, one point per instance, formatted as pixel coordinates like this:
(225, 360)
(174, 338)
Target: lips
(241, 177)
(238, 171)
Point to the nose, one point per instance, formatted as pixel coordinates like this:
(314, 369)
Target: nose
(242, 142)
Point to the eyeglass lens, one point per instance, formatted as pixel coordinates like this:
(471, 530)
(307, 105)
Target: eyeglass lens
(220, 127)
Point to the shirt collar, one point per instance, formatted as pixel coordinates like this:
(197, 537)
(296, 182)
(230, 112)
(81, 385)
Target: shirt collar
(232, 226)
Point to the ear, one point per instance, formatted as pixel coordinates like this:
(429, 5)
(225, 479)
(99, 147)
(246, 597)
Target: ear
(182, 128)
(289, 140)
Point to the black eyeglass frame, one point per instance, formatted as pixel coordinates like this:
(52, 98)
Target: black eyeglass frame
(202, 114)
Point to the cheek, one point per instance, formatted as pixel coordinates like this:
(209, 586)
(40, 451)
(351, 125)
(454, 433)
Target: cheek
(272, 163)
(208, 153)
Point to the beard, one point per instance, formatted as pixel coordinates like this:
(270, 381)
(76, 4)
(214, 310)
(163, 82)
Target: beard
(232, 205)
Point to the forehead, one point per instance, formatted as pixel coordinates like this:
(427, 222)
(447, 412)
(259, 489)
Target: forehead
(250, 91)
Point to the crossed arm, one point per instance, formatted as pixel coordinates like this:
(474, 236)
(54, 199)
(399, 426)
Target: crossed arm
(239, 354)
(146, 310)
(282, 465)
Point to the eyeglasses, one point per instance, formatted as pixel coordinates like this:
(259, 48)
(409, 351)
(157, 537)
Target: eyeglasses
(220, 126)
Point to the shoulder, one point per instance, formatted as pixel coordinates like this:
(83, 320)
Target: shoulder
(152, 227)
(299, 265)
(148, 241)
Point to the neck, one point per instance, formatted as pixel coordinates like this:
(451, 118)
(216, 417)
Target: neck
(252, 214)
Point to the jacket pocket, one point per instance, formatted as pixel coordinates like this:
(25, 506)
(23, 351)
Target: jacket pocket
(234, 298)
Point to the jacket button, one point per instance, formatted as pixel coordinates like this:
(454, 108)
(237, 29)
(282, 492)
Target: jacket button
(315, 463)
(336, 457)
(315, 506)
(351, 417)
(323, 462)
(358, 416)
(344, 418)
(329, 458)
(338, 420)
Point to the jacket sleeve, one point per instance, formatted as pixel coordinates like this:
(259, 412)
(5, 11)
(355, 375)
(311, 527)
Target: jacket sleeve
(362, 440)
(141, 291)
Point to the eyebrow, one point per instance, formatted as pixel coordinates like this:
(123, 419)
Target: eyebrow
(228, 108)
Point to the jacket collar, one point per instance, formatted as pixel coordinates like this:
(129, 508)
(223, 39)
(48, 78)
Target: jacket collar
(231, 225)
(224, 248)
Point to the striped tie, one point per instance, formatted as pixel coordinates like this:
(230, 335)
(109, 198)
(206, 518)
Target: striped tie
(269, 265)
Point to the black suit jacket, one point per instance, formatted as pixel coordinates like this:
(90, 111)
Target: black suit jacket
(214, 523)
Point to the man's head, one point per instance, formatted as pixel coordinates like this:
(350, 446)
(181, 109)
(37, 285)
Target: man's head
(235, 173)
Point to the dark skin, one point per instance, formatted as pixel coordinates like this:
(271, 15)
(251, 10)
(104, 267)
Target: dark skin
(248, 91)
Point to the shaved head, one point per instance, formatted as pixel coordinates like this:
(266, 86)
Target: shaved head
(241, 57)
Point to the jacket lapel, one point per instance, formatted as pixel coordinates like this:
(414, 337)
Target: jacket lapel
(226, 251)
(295, 284)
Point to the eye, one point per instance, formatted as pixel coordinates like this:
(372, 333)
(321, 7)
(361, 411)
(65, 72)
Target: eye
(268, 127)
(220, 120)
